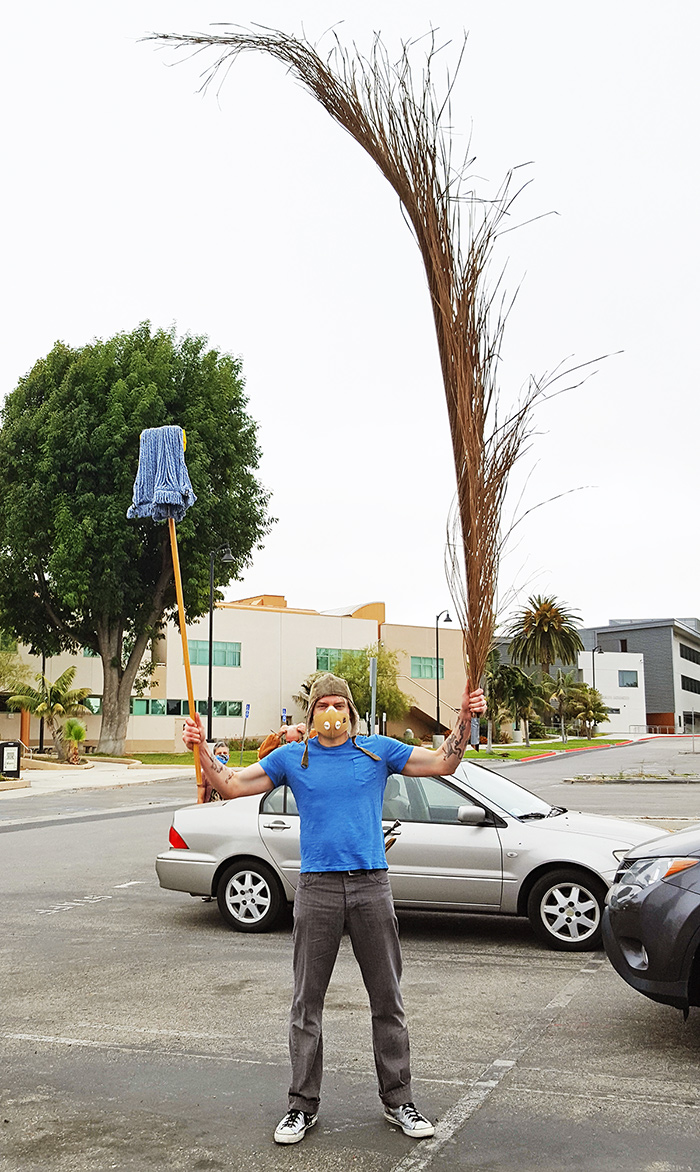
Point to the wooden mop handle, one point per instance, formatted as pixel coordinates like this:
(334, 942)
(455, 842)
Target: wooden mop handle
(185, 651)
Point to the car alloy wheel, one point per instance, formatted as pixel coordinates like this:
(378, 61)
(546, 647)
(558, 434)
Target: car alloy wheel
(565, 908)
(249, 896)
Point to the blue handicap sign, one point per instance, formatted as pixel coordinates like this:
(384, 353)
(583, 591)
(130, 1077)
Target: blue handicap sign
(247, 711)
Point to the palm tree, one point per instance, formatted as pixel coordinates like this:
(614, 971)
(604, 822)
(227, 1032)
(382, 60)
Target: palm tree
(74, 733)
(52, 701)
(511, 692)
(564, 692)
(543, 632)
(590, 709)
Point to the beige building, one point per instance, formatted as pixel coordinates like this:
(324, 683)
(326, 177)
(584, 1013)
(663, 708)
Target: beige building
(262, 651)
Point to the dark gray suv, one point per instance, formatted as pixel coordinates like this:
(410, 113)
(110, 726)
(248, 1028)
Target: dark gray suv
(651, 925)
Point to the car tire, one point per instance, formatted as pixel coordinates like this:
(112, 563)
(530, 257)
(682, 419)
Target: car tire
(249, 896)
(565, 909)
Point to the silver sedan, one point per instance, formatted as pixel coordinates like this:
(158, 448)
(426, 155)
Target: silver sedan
(474, 842)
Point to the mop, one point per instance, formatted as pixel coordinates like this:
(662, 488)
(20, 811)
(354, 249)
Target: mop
(163, 491)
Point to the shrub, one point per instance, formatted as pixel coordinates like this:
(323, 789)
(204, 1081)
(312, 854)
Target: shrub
(234, 744)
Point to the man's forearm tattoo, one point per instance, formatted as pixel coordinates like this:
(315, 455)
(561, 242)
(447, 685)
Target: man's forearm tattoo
(454, 745)
(215, 766)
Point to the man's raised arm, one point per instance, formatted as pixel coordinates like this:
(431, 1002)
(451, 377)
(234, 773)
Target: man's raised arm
(229, 783)
(443, 761)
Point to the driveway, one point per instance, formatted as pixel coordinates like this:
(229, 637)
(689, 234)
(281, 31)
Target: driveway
(137, 1032)
(671, 803)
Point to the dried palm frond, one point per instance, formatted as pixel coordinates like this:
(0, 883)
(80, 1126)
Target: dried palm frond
(404, 126)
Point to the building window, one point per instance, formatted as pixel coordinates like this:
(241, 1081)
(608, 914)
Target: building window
(627, 679)
(228, 708)
(182, 708)
(690, 653)
(94, 703)
(223, 654)
(613, 711)
(623, 644)
(141, 706)
(89, 653)
(688, 684)
(423, 667)
(328, 658)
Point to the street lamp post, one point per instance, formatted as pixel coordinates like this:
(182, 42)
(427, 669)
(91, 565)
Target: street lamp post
(437, 662)
(226, 556)
(41, 722)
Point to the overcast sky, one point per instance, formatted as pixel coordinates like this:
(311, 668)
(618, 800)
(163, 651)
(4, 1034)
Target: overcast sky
(252, 218)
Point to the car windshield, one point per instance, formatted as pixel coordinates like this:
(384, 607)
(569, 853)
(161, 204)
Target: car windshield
(512, 798)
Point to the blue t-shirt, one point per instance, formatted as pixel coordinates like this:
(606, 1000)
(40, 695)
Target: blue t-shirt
(339, 797)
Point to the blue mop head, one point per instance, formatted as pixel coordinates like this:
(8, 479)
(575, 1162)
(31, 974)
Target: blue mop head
(162, 487)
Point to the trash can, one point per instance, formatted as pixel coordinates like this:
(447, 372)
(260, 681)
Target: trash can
(9, 758)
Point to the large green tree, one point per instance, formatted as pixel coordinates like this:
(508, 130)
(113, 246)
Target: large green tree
(73, 571)
(543, 632)
(353, 667)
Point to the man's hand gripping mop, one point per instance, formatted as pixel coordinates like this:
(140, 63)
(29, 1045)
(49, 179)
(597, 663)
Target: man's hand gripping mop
(163, 491)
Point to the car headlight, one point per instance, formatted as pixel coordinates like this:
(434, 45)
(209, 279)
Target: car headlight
(642, 873)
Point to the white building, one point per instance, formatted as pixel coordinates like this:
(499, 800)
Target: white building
(262, 651)
(619, 677)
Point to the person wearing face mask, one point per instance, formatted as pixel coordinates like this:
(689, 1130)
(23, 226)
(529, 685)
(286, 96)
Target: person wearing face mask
(338, 780)
(221, 752)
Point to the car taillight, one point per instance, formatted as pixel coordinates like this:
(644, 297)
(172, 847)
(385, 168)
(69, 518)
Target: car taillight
(176, 840)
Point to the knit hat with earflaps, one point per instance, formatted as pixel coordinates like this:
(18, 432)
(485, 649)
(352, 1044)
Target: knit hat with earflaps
(330, 685)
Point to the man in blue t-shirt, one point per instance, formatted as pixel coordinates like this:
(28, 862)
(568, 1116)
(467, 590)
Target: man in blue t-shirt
(338, 782)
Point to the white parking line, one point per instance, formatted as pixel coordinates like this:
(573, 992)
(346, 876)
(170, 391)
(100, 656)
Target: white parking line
(494, 1074)
(69, 904)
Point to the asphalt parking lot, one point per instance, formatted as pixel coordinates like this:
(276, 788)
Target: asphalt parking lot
(138, 1033)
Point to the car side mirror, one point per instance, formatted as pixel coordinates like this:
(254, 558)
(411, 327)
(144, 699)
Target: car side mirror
(471, 815)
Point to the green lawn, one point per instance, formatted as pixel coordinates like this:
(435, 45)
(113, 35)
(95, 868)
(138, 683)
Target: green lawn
(517, 752)
(185, 759)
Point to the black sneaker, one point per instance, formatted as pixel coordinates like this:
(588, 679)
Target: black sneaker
(294, 1126)
(410, 1121)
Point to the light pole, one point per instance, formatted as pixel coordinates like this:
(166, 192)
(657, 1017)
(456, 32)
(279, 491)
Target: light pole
(593, 655)
(43, 684)
(226, 556)
(437, 662)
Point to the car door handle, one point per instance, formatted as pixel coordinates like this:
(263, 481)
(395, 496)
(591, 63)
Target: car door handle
(278, 825)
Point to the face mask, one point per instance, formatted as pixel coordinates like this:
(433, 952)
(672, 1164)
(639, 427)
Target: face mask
(220, 757)
(331, 723)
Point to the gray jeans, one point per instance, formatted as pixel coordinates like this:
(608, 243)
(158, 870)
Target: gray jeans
(326, 903)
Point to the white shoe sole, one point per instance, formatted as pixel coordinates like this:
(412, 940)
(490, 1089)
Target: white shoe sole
(412, 1133)
(283, 1137)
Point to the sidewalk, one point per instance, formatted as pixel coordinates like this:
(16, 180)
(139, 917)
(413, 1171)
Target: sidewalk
(103, 775)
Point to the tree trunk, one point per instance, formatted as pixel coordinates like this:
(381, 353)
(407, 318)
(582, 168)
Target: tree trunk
(526, 730)
(57, 739)
(563, 729)
(118, 679)
(116, 690)
(489, 736)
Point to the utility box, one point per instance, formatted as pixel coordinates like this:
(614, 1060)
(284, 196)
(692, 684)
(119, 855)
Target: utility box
(10, 758)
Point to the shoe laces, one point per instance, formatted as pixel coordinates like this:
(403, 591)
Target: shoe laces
(292, 1117)
(411, 1113)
